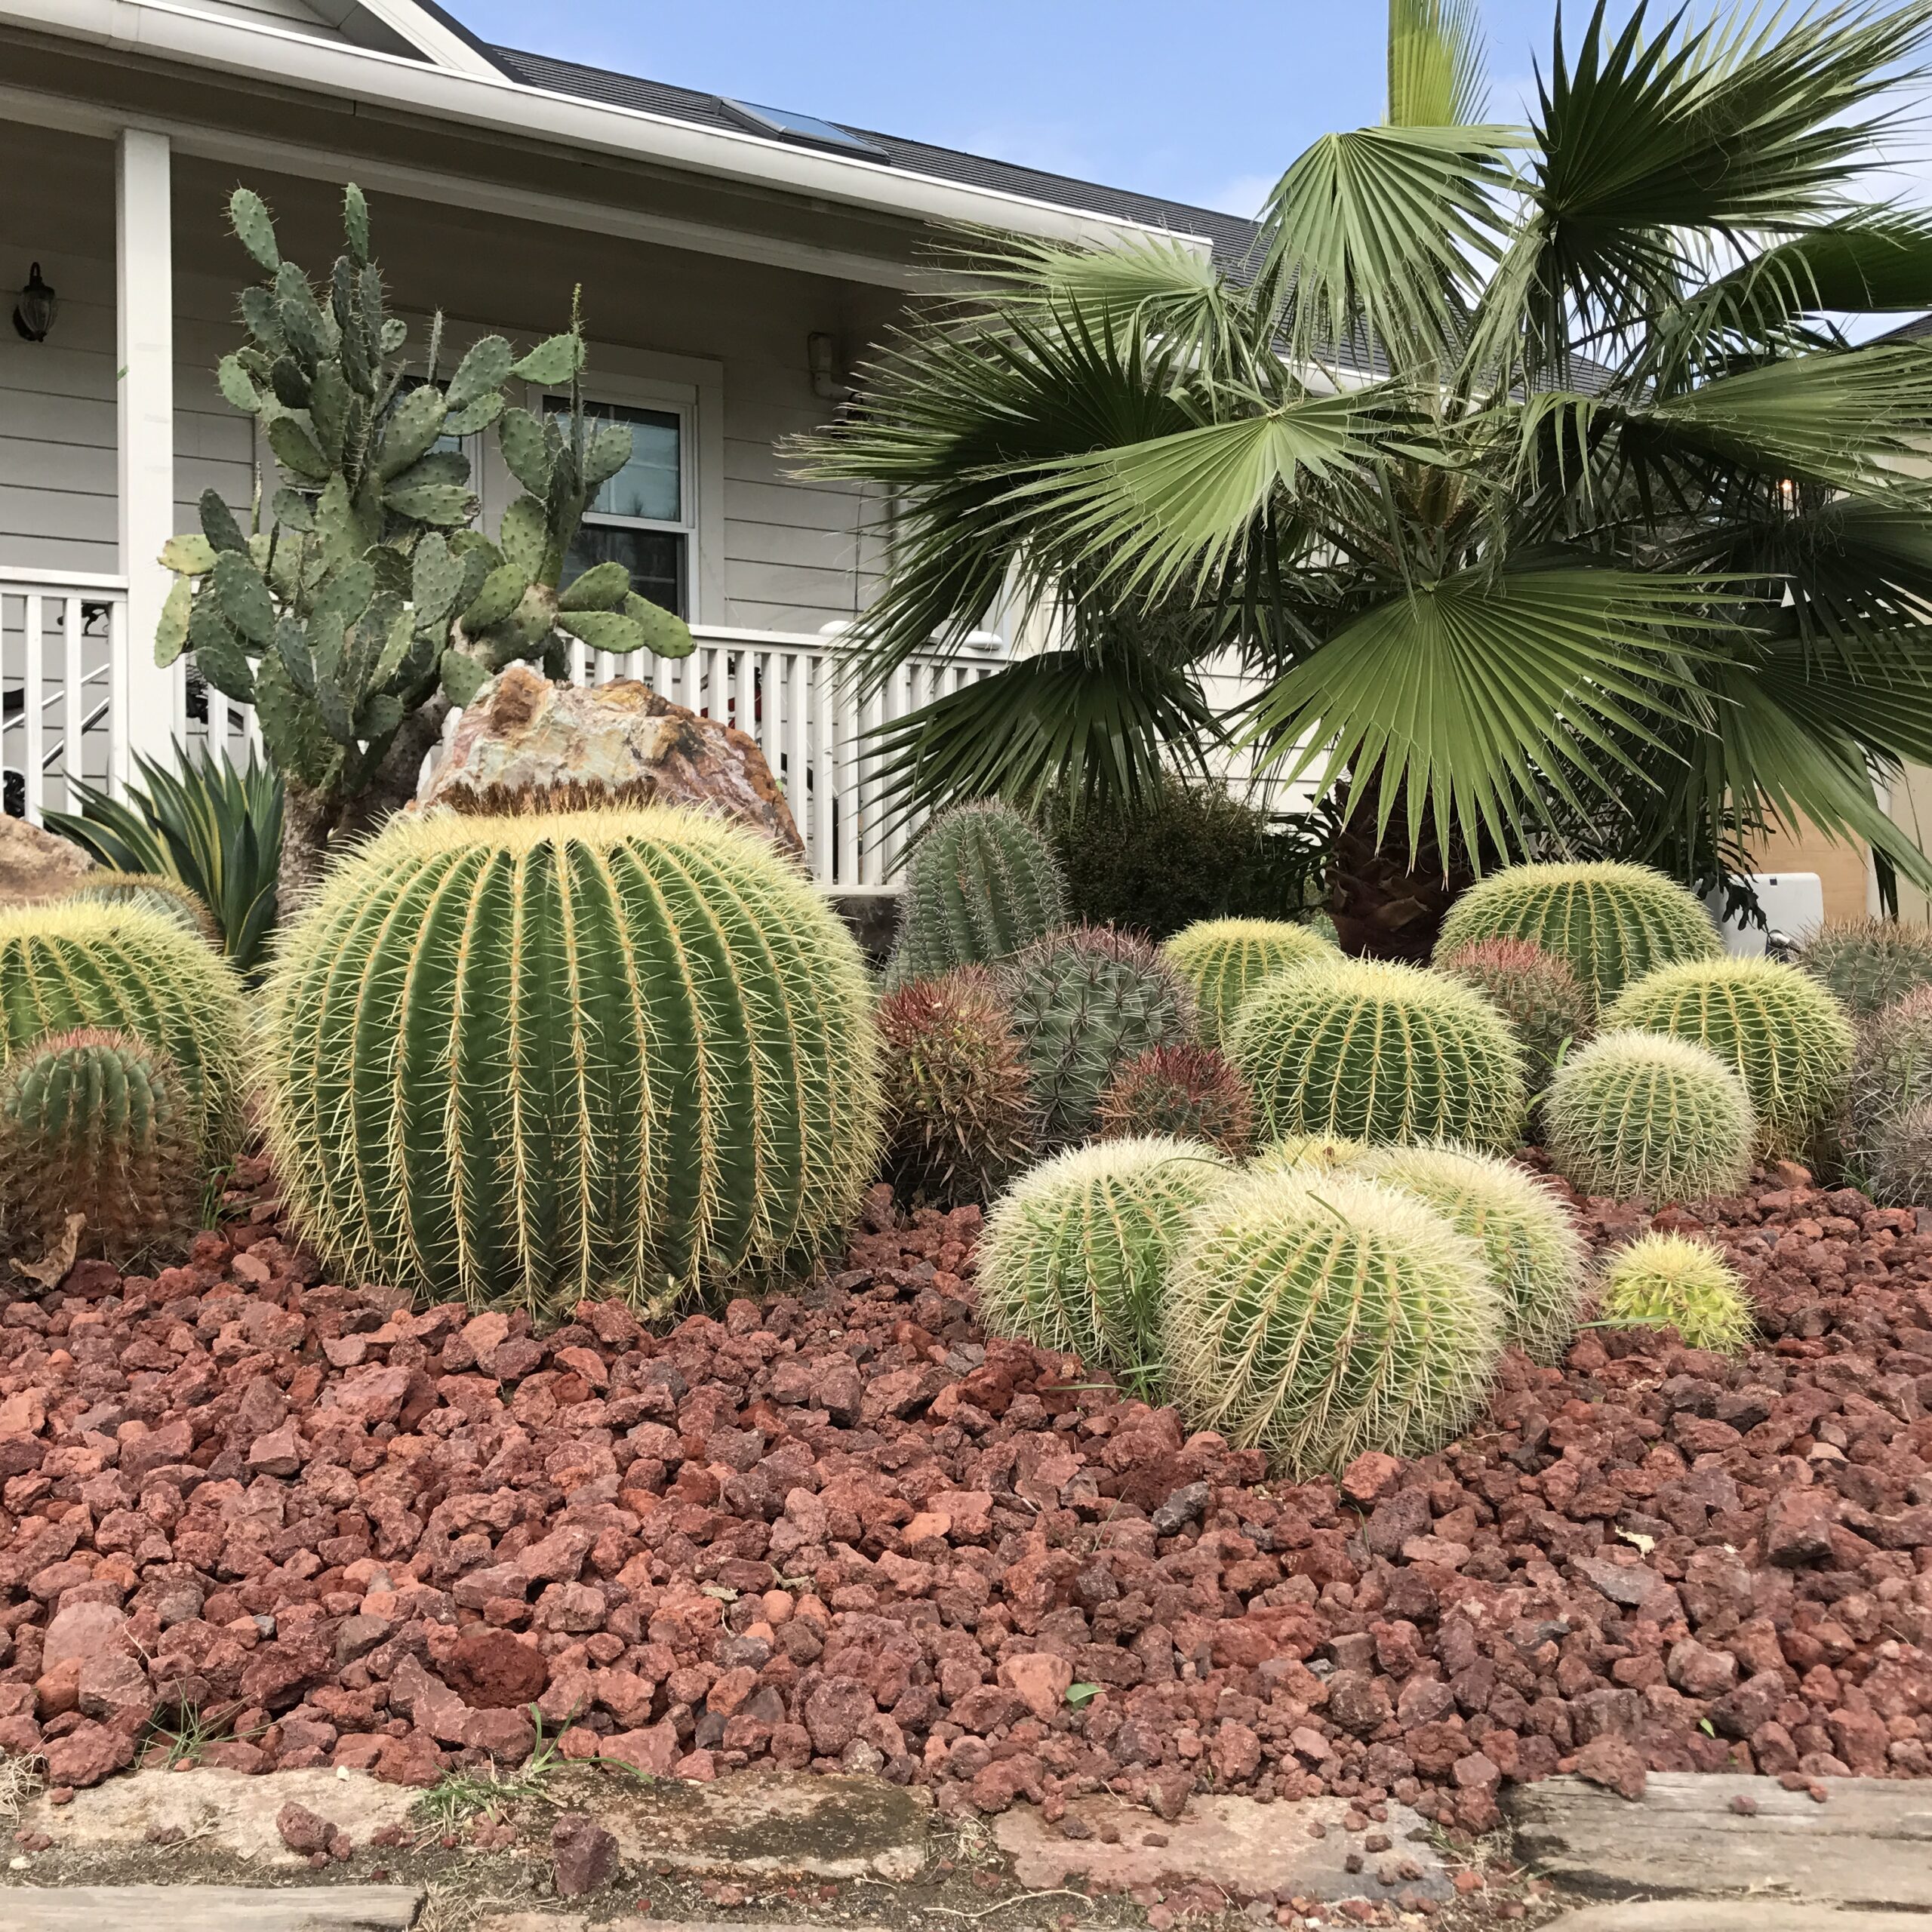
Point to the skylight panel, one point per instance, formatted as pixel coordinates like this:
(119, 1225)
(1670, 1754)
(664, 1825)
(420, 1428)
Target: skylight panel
(805, 127)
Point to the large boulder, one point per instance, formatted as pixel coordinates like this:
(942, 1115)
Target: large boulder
(525, 744)
(35, 864)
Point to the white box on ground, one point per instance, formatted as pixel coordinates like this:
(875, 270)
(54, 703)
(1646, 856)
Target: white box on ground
(1793, 905)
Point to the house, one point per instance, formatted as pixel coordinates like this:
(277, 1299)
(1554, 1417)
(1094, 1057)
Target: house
(735, 259)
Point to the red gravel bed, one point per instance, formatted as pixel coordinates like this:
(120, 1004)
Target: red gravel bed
(844, 1530)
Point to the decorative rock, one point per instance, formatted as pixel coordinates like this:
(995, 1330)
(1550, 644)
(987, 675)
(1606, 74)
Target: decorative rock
(36, 864)
(494, 1670)
(302, 1830)
(88, 1753)
(584, 1855)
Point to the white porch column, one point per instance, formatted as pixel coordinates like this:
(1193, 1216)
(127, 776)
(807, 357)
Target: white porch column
(146, 700)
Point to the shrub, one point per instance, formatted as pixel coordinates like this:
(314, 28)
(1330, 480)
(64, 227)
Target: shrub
(98, 1123)
(1786, 1037)
(1189, 1092)
(1378, 1051)
(123, 968)
(1534, 990)
(980, 883)
(1528, 1236)
(958, 1118)
(1667, 1281)
(581, 1054)
(1318, 1316)
(1318, 1151)
(152, 892)
(1892, 1065)
(1642, 1116)
(1609, 923)
(1898, 1158)
(1085, 1001)
(1224, 960)
(1075, 1255)
(1868, 963)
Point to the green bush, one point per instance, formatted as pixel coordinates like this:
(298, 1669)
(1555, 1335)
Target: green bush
(980, 883)
(1075, 1255)
(1643, 1117)
(1224, 960)
(1868, 963)
(1609, 923)
(1378, 1052)
(1534, 990)
(1785, 1037)
(1319, 1315)
(1667, 1281)
(1189, 1092)
(591, 1052)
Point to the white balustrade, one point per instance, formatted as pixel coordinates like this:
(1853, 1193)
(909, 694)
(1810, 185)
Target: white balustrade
(62, 672)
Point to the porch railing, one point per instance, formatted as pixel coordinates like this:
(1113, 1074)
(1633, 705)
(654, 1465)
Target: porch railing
(63, 660)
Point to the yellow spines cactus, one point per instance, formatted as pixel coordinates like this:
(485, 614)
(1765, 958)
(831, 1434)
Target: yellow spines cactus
(1783, 1034)
(1287, 1151)
(1076, 1255)
(1319, 1315)
(1667, 1281)
(154, 891)
(1528, 1236)
(610, 1052)
(1224, 960)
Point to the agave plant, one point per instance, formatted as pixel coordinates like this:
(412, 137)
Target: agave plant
(1570, 524)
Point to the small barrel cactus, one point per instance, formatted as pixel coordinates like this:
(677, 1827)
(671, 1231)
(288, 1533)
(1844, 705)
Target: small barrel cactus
(1892, 1066)
(1319, 1315)
(980, 883)
(1609, 923)
(1224, 960)
(1379, 1052)
(1669, 1281)
(1076, 1256)
(959, 1115)
(1897, 1157)
(1785, 1036)
(1320, 1152)
(98, 1123)
(1085, 1001)
(1534, 990)
(71, 963)
(1188, 1091)
(1643, 1117)
(595, 1053)
(1527, 1234)
(1868, 963)
(155, 893)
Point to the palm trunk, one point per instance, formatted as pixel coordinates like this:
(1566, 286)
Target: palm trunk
(1388, 903)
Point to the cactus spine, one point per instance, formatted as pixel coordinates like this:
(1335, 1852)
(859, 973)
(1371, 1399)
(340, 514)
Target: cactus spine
(1892, 1068)
(981, 883)
(1785, 1036)
(1224, 960)
(1897, 1157)
(1379, 1052)
(548, 1056)
(1318, 1316)
(1667, 1281)
(1188, 1091)
(1609, 923)
(1643, 1117)
(154, 892)
(1534, 990)
(1076, 1255)
(1868, 963)
(1318, 1151)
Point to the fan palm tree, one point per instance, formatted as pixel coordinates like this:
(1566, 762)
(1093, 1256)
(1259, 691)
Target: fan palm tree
(1539, 478)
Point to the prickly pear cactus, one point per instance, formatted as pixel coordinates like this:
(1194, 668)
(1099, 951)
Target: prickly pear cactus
(980, 883)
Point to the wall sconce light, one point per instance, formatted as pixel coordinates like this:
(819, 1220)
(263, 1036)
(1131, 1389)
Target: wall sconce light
(821, 353)
(35, 311)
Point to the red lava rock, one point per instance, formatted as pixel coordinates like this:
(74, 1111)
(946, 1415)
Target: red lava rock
(494, 1670)
(1039, 1679)
(1610, 1762)
(1369, 1475)
(87, 1754)
(583, 1854)
(302, 1830)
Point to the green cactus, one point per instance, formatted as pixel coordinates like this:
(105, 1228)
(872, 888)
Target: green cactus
(1892, 1065)
(1528, 1236)
(1534, 990)
(1643, 1117)
(586, 1053)
(72, 964)
(1224, 960)
(1897, 1157)
(98, 1123)
(1320, 1152)
(958, 1111)
(1609, 923)
(1075, 1255)
(1868, 963)
(980, 883)
(1667, 1281)
(1785, 1036)
(156, 893)
(1319, 1315)
(1085, 1001)
(1188, 1091)
(1379, 1052)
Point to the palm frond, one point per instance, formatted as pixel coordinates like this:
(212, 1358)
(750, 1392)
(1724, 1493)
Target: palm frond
(1437, 71)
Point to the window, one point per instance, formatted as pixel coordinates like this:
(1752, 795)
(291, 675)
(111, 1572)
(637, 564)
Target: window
(643, 517)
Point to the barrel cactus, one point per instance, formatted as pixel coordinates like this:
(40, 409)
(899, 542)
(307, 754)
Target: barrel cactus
(1528, 1236)
(98, 1123)
(959, 1115)
(1379, 1052)
(1645, 1117)
(1609, 923)
(980, 883)
(1319, 1315)
(1534, 990)
(1320, 1152)
(71, 963)
(1897, 1157)
(1868, 963)
(1224, 960)
(1076, 1256)
(1669, 1281)
(587, 1054)
(1085, 1001)
(1785, 1037)
(1892, 1067)
(154, 892)
(1188, 1091)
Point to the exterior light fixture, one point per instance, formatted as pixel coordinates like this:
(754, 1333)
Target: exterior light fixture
(38, 305)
